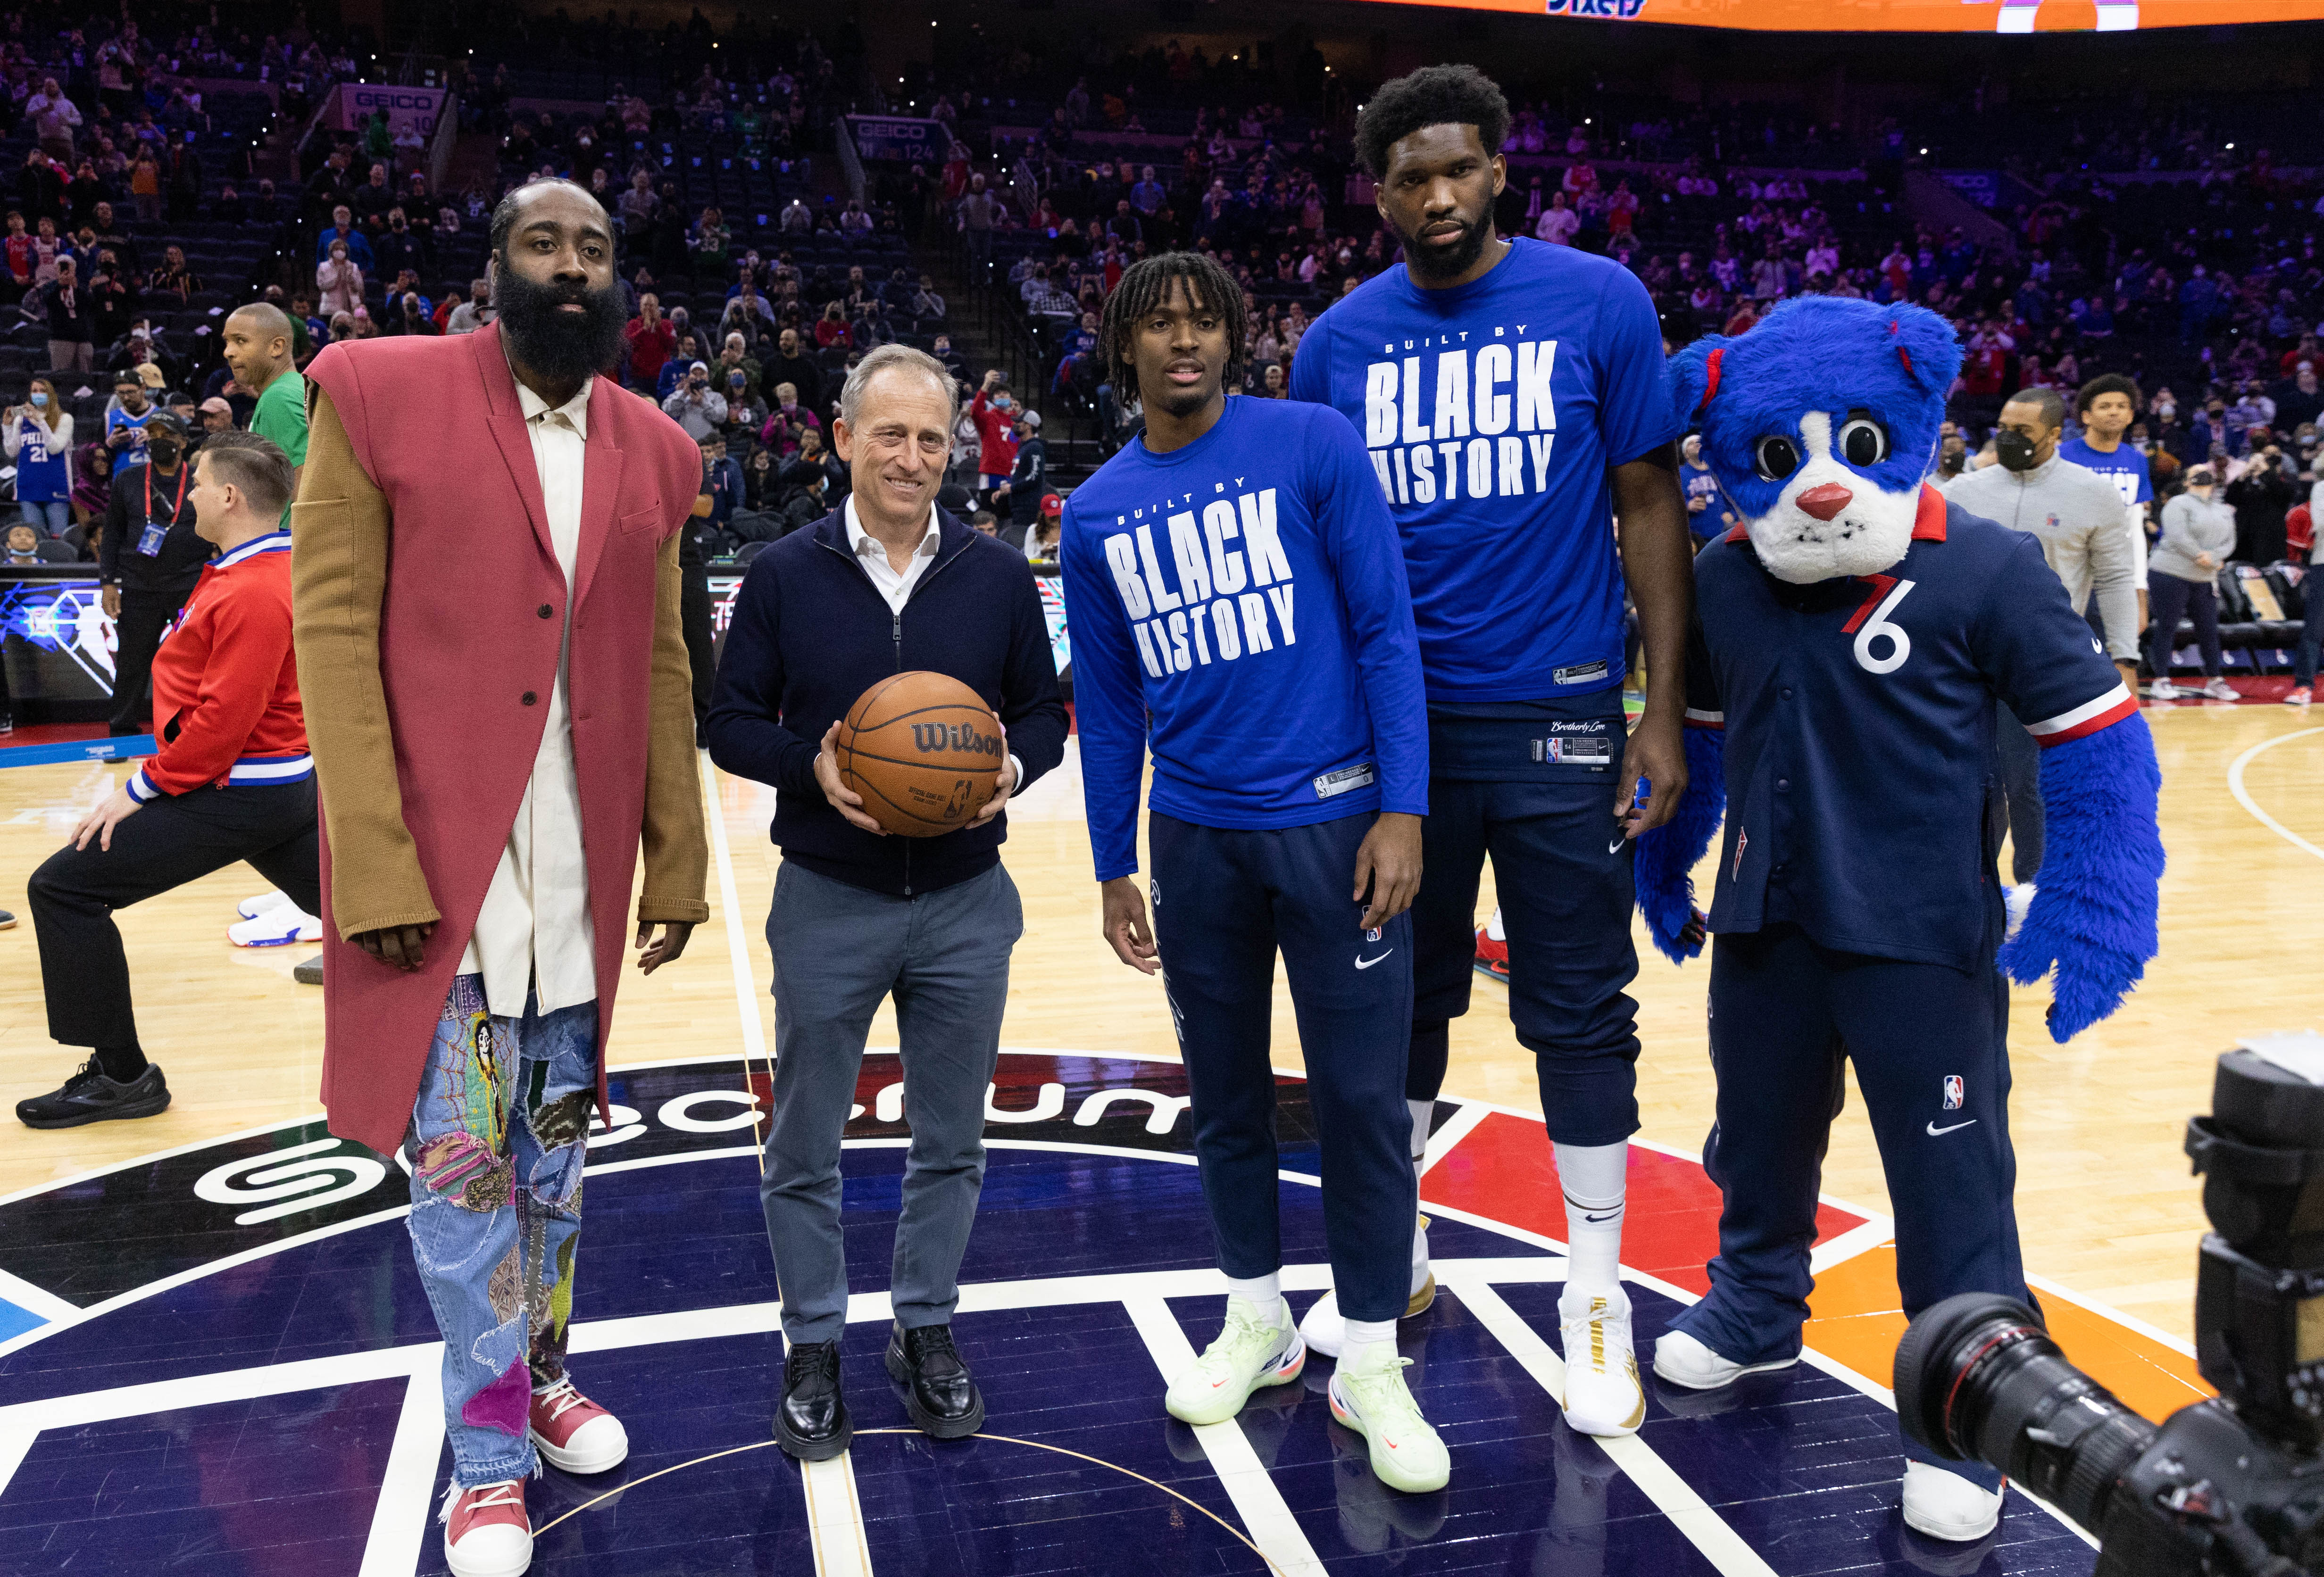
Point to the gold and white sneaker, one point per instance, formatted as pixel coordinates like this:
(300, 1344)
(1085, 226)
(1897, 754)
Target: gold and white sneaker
(1324, 1330)
(1370, 1397)
(1249, 1354)
(1603, 1393)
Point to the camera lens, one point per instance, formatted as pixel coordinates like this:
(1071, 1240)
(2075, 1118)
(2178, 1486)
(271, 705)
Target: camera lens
(1978, 1377)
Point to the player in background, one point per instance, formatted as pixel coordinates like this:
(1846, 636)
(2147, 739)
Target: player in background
(1239, 607)
(2106, 406)
(1509, 394)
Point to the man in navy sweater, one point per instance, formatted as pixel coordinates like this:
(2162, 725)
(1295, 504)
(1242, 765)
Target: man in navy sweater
(1239, 605)
(886, 583)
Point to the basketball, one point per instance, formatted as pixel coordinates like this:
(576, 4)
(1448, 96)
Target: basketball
(923, 749)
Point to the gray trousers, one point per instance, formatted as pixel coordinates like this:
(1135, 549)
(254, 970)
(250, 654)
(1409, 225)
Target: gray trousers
(838, 950)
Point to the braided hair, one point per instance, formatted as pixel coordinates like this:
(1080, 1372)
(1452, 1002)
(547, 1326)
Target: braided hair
(1144, 287)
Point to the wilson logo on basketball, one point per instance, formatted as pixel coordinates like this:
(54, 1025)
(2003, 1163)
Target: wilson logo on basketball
(959, 739)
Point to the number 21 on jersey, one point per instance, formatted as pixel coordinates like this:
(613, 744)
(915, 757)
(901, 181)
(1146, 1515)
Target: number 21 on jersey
(1870, 623)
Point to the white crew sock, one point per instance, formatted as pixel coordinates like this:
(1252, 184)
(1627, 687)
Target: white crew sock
(1423, 1113)
(1360, 1335)
(1594, 1177)
(1493, 931)
(1264, 1294)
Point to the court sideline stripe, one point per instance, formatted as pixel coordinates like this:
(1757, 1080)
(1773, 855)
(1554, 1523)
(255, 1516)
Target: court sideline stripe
(835, 1509)
(2243, 795)
(399, 1520)
(1265, 1515)
(1673, 1495)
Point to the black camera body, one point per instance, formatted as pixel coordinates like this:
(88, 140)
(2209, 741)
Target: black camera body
(2230, 1486)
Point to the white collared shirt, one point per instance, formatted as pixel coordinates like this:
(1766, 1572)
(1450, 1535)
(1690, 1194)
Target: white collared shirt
(534, 930)
(872, 554)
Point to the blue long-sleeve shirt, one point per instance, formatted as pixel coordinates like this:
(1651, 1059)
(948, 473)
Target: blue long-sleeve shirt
(1239, 605)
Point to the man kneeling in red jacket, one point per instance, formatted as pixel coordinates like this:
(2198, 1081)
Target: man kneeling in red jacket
(230, 779)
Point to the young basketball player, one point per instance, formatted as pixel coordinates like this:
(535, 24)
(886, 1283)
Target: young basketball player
(1239, 607)
(1510, 394)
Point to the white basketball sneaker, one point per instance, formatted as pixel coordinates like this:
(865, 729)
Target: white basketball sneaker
(1325, 1329)
(1603, 1393)
(1946, 1506)
(1249, 1353)
(277, 927)
(1682, 1360)
(250, 908)
(1370, 1397)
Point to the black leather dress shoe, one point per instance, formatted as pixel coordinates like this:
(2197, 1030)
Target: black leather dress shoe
(811, 1420)
(938, 1390)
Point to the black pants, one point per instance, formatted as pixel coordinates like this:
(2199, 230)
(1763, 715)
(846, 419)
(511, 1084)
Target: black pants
(2169, 598)
(137, 636)
(1225, 901)
(1563, 871)
(701, 644)
(2021, 791)
(84, 972)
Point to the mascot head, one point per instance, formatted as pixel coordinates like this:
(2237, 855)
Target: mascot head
(1821, 423)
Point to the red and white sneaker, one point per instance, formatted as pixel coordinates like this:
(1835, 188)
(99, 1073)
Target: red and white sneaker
(486, 1532)
(573, 1433)
(1493, 957)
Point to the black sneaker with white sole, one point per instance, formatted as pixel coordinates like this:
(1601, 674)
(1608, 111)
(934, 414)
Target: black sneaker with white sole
(89, 1096)
(7, 921)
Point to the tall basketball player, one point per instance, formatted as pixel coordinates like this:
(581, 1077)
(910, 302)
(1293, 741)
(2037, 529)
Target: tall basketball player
(1509, 393)
(1239, 607)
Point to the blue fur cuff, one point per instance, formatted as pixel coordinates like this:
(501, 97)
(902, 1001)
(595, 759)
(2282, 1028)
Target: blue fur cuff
(2093, 914)
(1670, 852)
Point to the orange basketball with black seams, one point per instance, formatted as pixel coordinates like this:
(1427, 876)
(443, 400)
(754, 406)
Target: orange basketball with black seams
(924, 751)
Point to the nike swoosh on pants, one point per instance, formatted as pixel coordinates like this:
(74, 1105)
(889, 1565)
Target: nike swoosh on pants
(1934, 1132)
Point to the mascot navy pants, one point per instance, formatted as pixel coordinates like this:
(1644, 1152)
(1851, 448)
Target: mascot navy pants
(1930, 1046)
(1224, 900)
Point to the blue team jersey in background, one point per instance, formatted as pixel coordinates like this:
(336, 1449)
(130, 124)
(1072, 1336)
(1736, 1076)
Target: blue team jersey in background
(1490, 414)
(1240, 604)
(2126, 468)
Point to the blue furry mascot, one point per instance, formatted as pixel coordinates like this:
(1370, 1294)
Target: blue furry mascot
(1854, 634)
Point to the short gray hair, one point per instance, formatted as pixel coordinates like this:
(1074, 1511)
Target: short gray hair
(903, 357)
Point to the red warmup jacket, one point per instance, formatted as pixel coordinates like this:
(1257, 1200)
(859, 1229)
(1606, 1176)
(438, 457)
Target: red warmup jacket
(226, 682)
(996, 437)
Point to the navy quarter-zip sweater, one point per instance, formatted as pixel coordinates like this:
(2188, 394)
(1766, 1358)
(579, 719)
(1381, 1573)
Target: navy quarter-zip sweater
(809, 634)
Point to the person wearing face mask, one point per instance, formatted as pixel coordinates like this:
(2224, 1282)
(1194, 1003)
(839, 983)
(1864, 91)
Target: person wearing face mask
(993, 412)
(150, 560)
(38, 437)
(2199, 531)
(2077, 516)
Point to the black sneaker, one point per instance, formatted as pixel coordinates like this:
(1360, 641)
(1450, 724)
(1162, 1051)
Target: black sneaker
(939, 1393)
(89, 1096)
(309, 970)
(7, 921)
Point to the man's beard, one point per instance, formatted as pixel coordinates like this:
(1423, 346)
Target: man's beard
(558, 346)
(1438, 262)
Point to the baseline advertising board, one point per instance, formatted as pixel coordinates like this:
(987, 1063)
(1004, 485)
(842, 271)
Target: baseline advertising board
(2007, 16)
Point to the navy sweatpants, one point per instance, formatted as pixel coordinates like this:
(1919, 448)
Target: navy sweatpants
(1224, 900)
(1563, 872)
(1930, 1049)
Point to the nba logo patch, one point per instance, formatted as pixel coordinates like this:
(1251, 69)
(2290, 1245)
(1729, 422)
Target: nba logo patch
(1372, 935)
(1953, 1092)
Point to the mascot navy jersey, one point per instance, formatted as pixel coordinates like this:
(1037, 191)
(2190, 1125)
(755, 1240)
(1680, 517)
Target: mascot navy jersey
(1490, 414)
(1247, 594)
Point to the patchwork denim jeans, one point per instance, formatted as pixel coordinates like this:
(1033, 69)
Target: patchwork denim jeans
(498, 1137)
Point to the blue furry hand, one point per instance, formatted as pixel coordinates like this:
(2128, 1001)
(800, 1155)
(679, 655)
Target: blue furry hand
(1661, 872)
(2093, 917)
